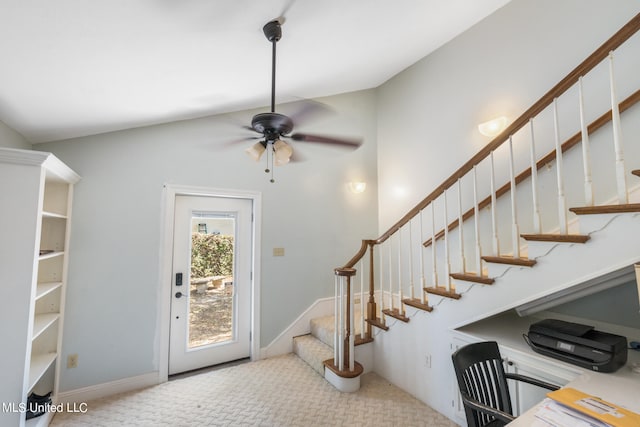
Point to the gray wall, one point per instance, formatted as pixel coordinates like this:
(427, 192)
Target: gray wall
(619, 306)
(112, 298)
(9, 138)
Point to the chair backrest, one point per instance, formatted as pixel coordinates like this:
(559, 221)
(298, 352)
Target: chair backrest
(480, 375)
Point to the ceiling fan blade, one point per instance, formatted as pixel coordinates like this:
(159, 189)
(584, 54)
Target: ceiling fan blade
(308, 109)
(240, 141)
(347, 142)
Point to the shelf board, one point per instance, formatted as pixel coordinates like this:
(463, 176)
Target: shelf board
(50, 255)
(39, 365)
(46, 214)
(45, 288)
(42, 322)
(43, 420)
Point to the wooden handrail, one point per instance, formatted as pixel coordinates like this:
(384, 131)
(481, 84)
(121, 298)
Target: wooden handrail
(622, 35)
(551, 156)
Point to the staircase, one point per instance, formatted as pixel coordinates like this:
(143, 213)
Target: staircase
(454, 245)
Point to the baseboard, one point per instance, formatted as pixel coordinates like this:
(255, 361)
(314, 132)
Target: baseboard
(86, 394)
(283, 343)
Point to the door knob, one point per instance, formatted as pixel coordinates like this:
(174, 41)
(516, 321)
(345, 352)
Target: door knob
(178, 294)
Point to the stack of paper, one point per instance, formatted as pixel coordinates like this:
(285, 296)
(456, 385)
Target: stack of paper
(557, 415)
(570, 405)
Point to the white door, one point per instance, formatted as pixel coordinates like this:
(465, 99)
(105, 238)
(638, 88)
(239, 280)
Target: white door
(211, 285)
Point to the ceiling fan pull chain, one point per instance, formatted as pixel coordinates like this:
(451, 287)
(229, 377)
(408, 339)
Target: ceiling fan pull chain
(272, 157)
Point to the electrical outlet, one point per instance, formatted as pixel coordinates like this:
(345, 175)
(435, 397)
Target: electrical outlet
(72, 361)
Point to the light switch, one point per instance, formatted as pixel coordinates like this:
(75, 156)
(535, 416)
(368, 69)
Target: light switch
(278, 251)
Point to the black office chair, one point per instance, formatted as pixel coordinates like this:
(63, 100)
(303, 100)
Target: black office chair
(483, 384)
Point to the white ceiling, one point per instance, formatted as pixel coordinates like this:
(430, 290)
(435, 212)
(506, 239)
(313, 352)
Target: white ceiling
(75, 67)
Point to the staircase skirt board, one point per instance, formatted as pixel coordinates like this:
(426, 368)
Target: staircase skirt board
(395, 313)
(443, 292)
(417, 303)
(468, 277)
(524, 262)
(606, 209)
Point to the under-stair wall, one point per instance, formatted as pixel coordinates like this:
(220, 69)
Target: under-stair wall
(416, 355)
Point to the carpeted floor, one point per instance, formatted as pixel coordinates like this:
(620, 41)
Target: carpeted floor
(281, 391)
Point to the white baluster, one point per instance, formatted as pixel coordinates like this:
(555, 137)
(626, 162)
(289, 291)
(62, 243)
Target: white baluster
(447, 264)
(537, 223)
(411, 293)
(562, 204)
(586, 155)
(382, 315)
(400, 294)
(362, 305)
(352, 331)
(515, 231)
(336, 322)
(621, 176)
(422, 279)
(476, 222)
(494, 213)
(460, 227)
(434, 275)
(390, 276)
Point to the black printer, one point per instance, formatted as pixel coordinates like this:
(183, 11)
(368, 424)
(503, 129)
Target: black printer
(578, 344)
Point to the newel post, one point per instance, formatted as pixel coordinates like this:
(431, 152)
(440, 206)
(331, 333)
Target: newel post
(372, 310)
(344, 275)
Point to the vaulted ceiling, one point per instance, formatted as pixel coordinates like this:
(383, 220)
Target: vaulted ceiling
(75, 67)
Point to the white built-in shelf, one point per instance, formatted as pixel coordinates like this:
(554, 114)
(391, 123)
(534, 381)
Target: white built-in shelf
(39, 365)
(41, 421)
(42, 322)
(46, 288)
(50, 255)
(53, 215)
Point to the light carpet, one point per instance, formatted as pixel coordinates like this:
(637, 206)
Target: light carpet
(281, 391)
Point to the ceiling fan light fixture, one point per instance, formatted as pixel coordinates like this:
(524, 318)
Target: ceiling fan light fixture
(255, 151)
(282, 152)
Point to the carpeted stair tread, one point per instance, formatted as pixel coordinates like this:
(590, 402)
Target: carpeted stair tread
(313, 351)
(323, 327)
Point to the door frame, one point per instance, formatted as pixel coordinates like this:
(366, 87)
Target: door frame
(170, 191)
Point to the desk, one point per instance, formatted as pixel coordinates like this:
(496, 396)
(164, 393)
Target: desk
(621, 388)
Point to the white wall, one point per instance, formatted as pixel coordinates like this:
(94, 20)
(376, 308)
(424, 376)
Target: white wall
(427, 128)
(9, 138)
(112, 296)
(428, 114)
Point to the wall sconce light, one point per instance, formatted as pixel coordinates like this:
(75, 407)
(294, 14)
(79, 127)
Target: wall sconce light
(493, 127)
(357, 187)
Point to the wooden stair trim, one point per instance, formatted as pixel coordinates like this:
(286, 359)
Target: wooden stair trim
(523, 262)
(417, 303)
(606, 209)
(395, 313)
(636, 172)
(358, 369)
(378, 323)
(360, 340)
(470, 277)
(443, 292)
(559, 238)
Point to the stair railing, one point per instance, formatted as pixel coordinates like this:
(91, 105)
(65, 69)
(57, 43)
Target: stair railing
(396, 256)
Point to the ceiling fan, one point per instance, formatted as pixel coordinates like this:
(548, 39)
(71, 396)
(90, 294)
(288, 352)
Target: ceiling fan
(273, 126)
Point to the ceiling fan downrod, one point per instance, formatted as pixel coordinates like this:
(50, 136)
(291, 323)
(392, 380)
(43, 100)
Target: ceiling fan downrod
(273, 32)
